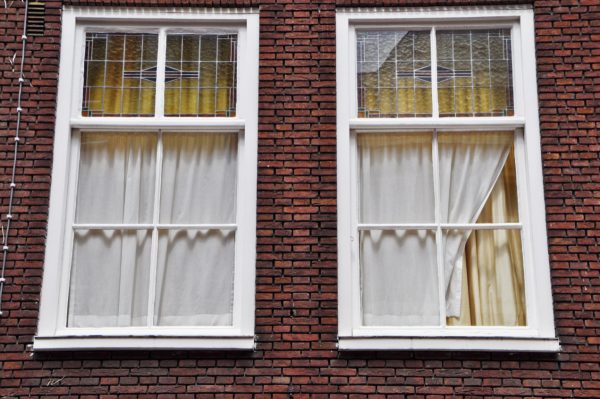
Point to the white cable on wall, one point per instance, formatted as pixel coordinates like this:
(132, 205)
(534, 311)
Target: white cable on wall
(9, 215)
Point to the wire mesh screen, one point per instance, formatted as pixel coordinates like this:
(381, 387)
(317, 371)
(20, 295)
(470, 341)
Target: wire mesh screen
(120, 74)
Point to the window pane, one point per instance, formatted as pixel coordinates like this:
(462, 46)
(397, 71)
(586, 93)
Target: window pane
(475, 73)
(109, 278)
(199, 178)
(116, 178)
(195, 278)
(395, 175)
(394, 74)
(200, 75)
(399, 278)
(120, 74)
(484, 271)
(475, 169)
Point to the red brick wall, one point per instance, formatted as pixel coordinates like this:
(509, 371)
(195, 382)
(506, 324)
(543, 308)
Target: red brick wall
(296, 269)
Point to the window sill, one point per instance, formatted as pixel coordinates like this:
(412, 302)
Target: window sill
(74, 343)
(495, 344)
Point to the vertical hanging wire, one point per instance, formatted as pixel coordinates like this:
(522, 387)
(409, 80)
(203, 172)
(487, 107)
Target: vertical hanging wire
(9, 215)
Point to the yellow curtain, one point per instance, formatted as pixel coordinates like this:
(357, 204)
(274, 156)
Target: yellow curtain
(492, 285)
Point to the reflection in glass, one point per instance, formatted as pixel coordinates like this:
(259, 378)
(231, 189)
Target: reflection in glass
(393, 74)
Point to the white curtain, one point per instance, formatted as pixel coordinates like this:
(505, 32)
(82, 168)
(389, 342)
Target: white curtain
(470, 164)
(110, 268)
(195, 268)
(399, 269)
(109, 278)
(199, 174)
(396, 178)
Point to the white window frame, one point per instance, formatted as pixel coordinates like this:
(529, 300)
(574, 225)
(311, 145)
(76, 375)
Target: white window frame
(539, 334)
(53, 334)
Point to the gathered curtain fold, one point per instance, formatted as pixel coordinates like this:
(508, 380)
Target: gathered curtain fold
(493, 288)
(470, 165)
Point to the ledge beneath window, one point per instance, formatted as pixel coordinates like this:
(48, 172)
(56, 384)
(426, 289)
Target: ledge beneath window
(64, 343)
(503, 344)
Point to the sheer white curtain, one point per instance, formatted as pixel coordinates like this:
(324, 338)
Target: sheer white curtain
(470, 164)
(399, 269)
(110, 268)
(195, 268)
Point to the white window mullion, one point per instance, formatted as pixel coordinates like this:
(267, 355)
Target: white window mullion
(396, 226)
(438, 230)
(435, 108)
(194, 226)
(453, 226)
(159, 100)
(155, 220)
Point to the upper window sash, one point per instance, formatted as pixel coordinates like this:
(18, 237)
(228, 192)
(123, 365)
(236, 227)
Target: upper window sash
(158, 119)
(421, 72)
(498, 22)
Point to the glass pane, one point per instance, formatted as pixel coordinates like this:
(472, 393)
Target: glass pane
(113, 62)
(484, 277)
(199, 178)
(393, 74)
(109, 278)
(195, 278)
(476, 173)
(399, 278)
(200, 75)
(116, 178)
(475, 73)
(395, 174)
